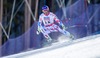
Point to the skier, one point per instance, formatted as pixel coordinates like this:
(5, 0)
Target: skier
(47, 24)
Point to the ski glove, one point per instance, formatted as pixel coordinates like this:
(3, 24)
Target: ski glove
(39, 29)
(63, 27)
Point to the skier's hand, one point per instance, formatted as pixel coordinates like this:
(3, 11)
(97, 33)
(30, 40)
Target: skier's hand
(63, 27)
(39, 30)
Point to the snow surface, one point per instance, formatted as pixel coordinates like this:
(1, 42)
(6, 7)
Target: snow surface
(87, 47)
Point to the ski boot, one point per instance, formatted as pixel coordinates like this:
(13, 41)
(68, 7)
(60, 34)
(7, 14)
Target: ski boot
(71, 37)
(47, 42)
(48, 38)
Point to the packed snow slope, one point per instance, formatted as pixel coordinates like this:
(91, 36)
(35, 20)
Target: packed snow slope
(87, 47)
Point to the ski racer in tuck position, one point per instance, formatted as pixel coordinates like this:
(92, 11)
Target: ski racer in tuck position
(47, 24)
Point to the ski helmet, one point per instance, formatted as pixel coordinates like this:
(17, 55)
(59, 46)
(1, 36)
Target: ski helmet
(45, 7)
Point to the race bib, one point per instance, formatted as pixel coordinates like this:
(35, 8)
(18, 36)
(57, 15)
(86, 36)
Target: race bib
(47, 20)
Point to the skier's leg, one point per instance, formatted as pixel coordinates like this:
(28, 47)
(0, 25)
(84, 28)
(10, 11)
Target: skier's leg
(45, 32)
(65, 33)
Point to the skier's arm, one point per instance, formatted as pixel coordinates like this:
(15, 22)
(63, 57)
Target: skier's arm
(59, 22)
(39, 24)
(62, 25)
